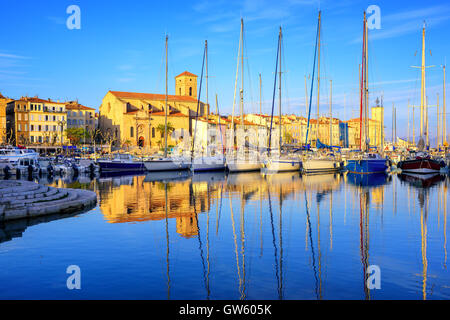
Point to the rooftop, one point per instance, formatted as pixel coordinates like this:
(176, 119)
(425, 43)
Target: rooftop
(186, 73)
(151, 96)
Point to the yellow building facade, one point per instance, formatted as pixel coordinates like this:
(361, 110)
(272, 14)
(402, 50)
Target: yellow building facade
(34, 121)
(136, 119)
(3, 133)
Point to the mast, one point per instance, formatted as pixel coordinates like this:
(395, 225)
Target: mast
(260, 97)
(165, 107)
(206, 78)
(312, 83)
(318, 78)
(437, 119)
(444, 115)
(366, 91)
(426, 121)
(235, 84)
(331, 114)
(242, 74)
(422, 89)
(306, 96)
(382, 124)
(409, 118)
(207, 104)
(362, 91)
(279, 96)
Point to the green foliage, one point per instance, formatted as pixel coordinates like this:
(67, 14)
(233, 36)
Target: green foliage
(77, 135)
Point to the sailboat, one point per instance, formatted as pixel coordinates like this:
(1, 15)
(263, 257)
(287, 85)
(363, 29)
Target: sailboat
(203, 163)
(166, 163)
(421, 162)
(277, 162)
(319, 163)
(238, 162)
(365, 162)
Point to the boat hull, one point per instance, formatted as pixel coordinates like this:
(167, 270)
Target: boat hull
(420, 166)
(283, 165)
(111, 166)
(319, 166)
(367, 166)
(243, 166)
(165, 165)
(204, 164)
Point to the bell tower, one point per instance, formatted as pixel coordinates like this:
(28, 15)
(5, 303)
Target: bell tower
(186, 85)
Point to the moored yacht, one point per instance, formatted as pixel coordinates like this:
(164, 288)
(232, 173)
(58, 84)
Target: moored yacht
(14, 154)
(321, 164)
(421, 163)
(211, 163)
(167, 164)
(121, 163)
(367, 163)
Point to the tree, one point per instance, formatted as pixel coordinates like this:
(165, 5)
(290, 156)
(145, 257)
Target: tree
(161, 127)
(287, 137)
(109, 137)
(76, 135)
(126, 143)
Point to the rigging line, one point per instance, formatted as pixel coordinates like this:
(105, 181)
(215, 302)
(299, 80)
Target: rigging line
(252, 104)
(286, 90)
(198, 104)
(273, 241)
(235, 247)
(312, 246)
(159, 76)
(220, 210)
(312, 83)
(200, 247)
(273, 97)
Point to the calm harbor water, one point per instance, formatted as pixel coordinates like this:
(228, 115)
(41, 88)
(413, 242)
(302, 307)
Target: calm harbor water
(240, 236)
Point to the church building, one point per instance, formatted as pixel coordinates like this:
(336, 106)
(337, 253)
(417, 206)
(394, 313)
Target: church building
(137, 119)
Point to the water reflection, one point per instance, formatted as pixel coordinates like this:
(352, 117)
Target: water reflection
(284, 236)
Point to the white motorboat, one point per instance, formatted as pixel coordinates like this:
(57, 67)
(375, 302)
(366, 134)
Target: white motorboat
(237, 165)
(122, 163)
(14, 154)
(321, 164)
(45, 166)
(283, 163)
(6, 168)
(167, 164)
(26, 166)
(211, 163)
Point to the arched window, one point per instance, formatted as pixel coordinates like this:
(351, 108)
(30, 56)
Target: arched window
(131, 132)
(190, 91)
(153, 132)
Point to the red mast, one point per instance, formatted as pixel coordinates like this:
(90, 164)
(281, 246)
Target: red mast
(362, 82)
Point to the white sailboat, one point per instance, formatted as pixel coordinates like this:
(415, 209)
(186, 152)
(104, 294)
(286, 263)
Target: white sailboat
(277, 161)
(166, 163)
(246, 160)
(320, 163)
(203, 163)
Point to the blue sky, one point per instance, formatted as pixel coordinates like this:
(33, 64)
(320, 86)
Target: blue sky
(120, 46)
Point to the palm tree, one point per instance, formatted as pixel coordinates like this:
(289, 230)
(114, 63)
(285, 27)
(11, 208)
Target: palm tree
(160, 129)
